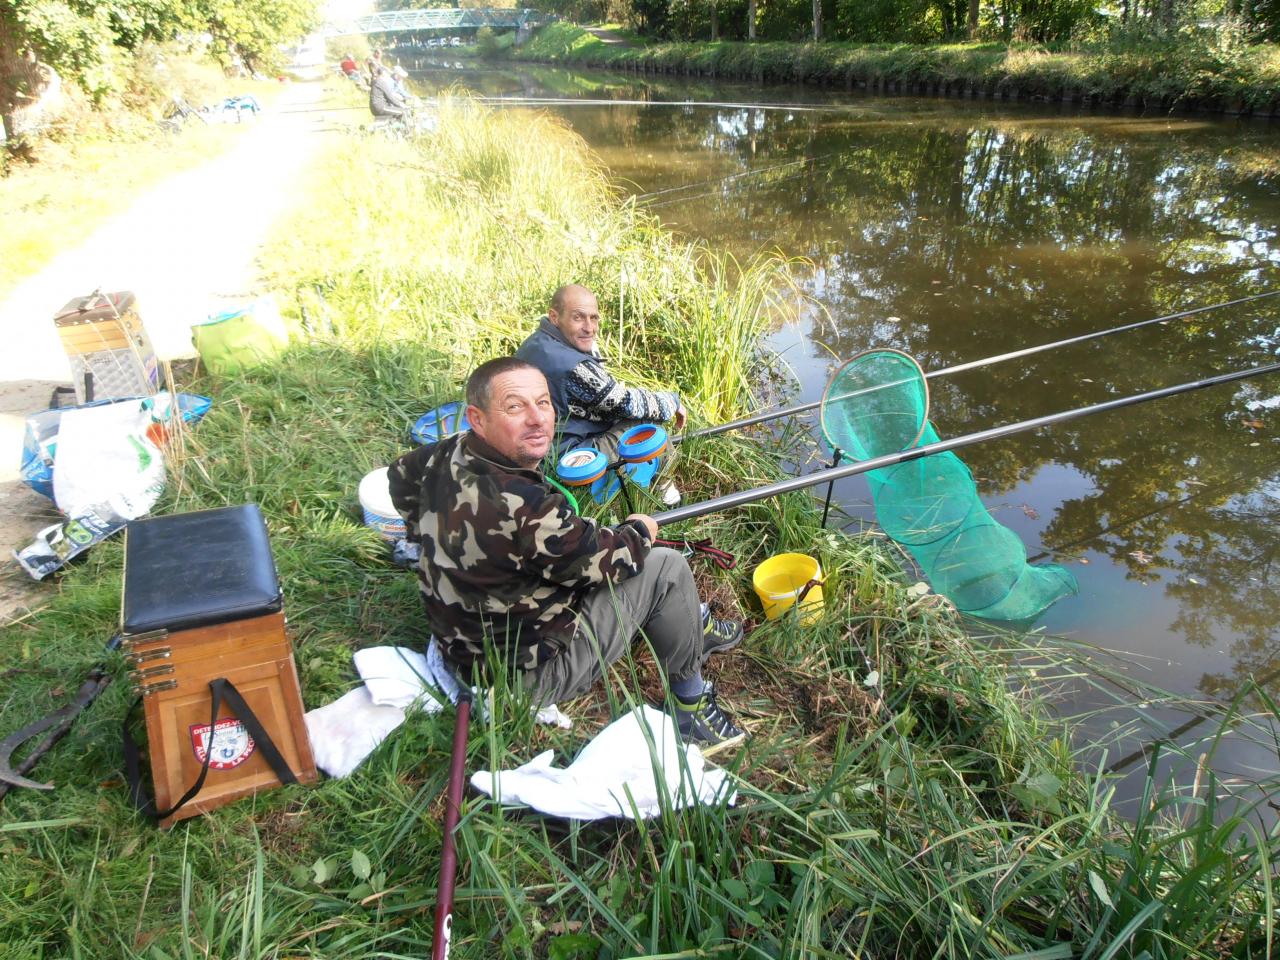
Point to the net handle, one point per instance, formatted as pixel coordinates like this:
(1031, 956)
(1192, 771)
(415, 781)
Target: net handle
(877, 351)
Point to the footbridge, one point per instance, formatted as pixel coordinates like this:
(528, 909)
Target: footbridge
(439, 20)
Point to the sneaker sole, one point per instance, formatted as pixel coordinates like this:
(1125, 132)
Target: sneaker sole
(708, 654)
(723, 745)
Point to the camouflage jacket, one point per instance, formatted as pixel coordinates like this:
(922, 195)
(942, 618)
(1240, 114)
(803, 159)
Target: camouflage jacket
(503, 554)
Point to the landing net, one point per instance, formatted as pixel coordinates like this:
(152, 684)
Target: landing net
(877, 403)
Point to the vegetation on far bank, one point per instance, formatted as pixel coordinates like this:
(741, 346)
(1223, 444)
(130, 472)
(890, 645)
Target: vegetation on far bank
(1180, 72)
(902, 794)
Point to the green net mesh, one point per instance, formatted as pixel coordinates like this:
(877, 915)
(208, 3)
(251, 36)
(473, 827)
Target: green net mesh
(931, 505)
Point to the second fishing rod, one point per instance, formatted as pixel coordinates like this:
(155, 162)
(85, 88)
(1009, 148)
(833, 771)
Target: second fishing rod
(984, 362)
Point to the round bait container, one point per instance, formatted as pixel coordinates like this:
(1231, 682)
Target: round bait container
(641, 443)
(579, 468)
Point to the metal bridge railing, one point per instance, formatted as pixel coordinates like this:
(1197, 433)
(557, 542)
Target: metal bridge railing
(395, 21)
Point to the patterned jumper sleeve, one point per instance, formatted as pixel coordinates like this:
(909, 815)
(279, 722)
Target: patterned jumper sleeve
(595, 395)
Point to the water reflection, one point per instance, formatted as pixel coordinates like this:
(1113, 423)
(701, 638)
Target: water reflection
(958, 230)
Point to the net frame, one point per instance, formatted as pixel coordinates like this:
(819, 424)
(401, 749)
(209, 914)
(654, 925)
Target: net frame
(828, 404)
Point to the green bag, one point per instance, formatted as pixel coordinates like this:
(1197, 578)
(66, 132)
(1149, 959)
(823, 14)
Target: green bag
(233, 341)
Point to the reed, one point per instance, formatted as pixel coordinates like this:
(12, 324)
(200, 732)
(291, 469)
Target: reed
(903, 793)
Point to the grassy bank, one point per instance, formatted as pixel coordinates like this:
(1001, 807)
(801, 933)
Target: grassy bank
(93, 164)
(902, 793)
(1218, 76)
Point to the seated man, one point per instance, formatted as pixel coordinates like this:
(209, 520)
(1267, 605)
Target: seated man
(508, 567)
(349, 66)
(592, 408)
(383, 99)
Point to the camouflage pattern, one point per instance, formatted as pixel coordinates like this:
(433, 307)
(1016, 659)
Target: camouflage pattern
(503, 555)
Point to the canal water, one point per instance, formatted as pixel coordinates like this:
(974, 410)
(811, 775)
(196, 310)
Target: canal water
(956, 230)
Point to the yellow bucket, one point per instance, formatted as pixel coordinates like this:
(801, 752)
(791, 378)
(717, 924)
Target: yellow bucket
(784, 578)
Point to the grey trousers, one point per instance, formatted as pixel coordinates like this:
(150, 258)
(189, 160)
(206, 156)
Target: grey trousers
(661, 601)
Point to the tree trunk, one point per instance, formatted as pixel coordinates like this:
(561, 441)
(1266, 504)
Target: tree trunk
(817, 20)
(971, 26)
(751, 19)
(715, 22)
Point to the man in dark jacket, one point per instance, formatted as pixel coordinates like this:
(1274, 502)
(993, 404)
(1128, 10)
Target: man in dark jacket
(508, 567)
(592, 408)
(384, 101)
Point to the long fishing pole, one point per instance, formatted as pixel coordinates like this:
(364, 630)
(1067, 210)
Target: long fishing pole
(452, 810)
(731, 500)
(584, 102)
(975, 364)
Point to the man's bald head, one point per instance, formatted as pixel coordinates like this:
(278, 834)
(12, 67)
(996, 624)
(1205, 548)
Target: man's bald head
(574, 290)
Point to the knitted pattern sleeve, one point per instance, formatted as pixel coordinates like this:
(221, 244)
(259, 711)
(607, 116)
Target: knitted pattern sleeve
(595, 395)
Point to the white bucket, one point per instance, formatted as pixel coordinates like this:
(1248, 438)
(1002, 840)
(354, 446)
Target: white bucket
(375, 501)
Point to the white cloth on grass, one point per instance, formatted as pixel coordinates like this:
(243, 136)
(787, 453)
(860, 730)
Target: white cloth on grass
(398, 676)
(632, 768)
(346, 731)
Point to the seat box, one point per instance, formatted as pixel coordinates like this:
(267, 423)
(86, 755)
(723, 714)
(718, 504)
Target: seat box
(202, 602)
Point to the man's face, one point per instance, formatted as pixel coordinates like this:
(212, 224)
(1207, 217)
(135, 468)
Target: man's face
(579, 321)
(520, 421)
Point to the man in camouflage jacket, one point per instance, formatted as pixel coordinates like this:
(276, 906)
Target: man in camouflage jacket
(506, 565)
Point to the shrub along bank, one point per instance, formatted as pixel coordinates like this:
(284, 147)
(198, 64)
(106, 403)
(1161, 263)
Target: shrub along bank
(1206, 71)
(900, 796)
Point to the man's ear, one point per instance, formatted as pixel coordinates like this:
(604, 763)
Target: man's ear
(475, 417)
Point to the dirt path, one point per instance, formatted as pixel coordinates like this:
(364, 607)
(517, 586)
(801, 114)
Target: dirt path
(187, 249)
(609, 36)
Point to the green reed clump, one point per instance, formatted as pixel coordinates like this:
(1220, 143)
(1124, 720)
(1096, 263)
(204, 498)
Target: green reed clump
(897, 797)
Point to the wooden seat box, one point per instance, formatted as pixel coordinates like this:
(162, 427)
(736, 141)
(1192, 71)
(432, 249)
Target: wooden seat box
(202, 602)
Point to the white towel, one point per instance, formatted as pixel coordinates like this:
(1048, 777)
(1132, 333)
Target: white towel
(629, 769)
(346, 731)
(398, 676)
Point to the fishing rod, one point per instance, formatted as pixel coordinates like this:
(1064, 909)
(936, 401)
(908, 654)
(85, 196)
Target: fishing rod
(738, 176)
(975, 364)
(576, 102)
(731, 500)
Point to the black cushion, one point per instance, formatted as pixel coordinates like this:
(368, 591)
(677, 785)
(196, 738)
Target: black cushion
(195, 569)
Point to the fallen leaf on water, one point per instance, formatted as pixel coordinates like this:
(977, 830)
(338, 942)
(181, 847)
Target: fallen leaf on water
(1084, 560)
(893, 319)
(1030, 511)
(1194, 580)
(1085, 380)
(1253, 424)
(1141, 556)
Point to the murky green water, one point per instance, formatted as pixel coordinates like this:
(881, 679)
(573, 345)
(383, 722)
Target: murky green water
(957, 230)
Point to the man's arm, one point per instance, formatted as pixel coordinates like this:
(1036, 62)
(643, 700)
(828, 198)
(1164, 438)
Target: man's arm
(595, 395)
(576, 551)
(404, 483)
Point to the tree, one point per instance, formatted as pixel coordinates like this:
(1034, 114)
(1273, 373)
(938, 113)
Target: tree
(83, 39)
(751, 19)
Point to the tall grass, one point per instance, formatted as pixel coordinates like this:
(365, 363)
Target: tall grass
(899, 796)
